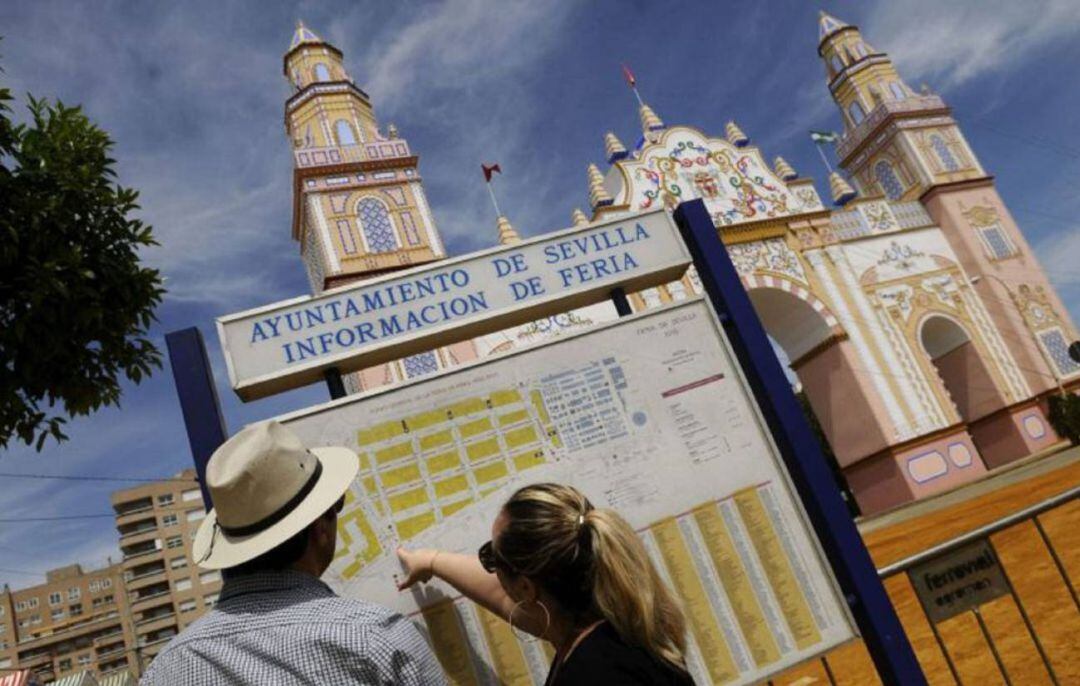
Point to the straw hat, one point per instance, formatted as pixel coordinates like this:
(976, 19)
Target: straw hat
(266, 487)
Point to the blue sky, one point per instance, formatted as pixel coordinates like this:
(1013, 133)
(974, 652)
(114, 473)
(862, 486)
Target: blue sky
(192, 93)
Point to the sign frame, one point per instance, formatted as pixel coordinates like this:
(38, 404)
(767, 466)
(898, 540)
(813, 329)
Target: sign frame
(454, 330)
(814, 482)
(817, 491)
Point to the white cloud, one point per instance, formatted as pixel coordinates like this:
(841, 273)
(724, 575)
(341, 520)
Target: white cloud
(459, 44)
(956, 41)
(463, 74)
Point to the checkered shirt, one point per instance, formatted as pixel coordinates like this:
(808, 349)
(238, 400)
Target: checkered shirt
(290, 628)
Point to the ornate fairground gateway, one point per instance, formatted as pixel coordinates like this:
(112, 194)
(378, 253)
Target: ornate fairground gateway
(915, 315)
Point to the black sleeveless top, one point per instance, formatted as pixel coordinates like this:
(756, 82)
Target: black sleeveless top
(603, 657)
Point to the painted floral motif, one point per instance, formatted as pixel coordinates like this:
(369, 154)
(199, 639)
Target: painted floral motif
(878, 216)
(897, 300)
(771, 255)
(900, 257)
(735, 185)
(808, 198)
(1035, 306)
(944, 287)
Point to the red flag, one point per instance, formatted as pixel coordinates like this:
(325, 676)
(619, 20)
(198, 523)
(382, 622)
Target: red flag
(489, 170)
(629, 76)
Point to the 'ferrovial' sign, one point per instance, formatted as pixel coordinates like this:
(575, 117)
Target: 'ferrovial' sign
(291, 343)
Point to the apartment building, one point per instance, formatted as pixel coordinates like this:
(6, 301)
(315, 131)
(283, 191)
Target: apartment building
(115, 619)
(165, 590)
(74, 622)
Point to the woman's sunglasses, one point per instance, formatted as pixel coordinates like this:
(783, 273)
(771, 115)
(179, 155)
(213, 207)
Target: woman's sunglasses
(490, 560)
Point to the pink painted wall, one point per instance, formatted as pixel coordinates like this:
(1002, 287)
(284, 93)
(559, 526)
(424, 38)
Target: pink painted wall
(968, 382)
(1013, 435)
(960, 460)
(846, 406)
(946, 207)
(887, 480)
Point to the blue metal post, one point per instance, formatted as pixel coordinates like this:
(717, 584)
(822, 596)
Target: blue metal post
(840, 540)
(198, 399)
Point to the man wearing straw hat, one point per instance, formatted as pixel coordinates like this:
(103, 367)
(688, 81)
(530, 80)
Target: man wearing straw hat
(273, 530)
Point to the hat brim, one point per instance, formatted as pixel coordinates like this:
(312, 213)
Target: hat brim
(214, 549)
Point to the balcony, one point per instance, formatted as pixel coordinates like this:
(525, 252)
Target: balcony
(148, 625)
(112, 667)
(35, 661)
(145, 602)
(113, 651)
(140, 550)
(132, 531)
(919, 103)
(90, 625)
(395, 148)
(145, 575)
(132, 507)
(111, 637)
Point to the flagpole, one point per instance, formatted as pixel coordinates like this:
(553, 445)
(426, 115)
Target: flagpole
(494, 202)
(640, 102)
(823, 158)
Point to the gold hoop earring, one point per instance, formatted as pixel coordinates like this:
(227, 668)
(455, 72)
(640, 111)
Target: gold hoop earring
(530, 639)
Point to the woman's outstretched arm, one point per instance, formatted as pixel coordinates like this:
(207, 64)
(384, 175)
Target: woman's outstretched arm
(465, 573)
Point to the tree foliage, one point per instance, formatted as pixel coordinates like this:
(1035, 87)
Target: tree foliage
(1065, 416)
(75, 301)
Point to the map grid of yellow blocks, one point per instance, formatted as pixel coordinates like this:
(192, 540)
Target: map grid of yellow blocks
(427, 466)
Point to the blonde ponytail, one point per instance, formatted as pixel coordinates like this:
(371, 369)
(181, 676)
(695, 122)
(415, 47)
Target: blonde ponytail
(629, 592)
(593, 563)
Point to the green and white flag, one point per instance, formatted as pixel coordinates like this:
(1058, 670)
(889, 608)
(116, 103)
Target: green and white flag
(820, 137)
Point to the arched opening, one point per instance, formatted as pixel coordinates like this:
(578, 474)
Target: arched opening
(344, 132)
(322, 72)
(948, 160)
(961, 369)
(887, 179)
(855, 111)
(828, 382)
(377, 228)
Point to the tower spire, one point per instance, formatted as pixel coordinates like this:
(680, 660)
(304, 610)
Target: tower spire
(735, 135)
(508, 235)
(649, 121)
(784, 170)
(613, 147)
(598, 195)
(828, 25)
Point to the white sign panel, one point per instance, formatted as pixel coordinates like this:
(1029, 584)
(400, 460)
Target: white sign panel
(648, 415)
(291, 343)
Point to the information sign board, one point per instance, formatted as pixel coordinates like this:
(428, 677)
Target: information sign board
(958, 581)
(609, 411)
(291, 343)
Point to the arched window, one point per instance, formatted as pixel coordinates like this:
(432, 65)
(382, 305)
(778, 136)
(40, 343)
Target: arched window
(376, 225)
(837, 64)
(897, 90)
(344, 133)
(888, 181)
(944, 154)
(322, 72)
(860, 49)
(855, 111)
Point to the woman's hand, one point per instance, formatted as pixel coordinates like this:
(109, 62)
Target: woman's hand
(419, 565)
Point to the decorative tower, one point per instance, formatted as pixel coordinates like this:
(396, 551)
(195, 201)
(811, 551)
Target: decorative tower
(359, 208)
(907, 147)
(921, 145)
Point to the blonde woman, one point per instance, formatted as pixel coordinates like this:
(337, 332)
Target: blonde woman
(577, 576)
